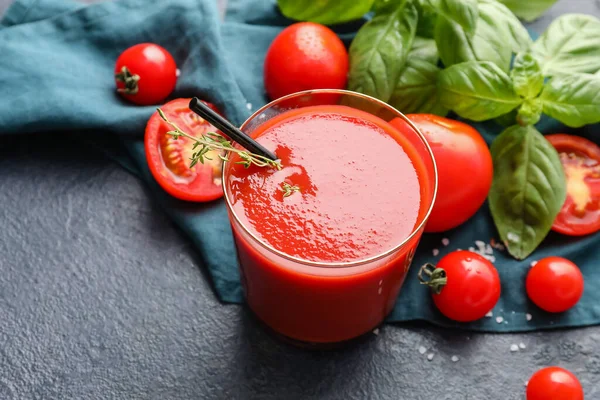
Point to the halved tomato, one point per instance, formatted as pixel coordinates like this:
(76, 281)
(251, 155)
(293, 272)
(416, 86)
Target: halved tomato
(580, 215)
(169, 159)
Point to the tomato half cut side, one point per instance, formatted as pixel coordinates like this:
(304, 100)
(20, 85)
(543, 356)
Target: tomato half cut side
(169, 159)
(580, 214)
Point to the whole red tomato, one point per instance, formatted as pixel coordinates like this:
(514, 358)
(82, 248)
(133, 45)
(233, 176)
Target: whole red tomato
(305, 56)
(554, 383)
(464, 166)
(554, 284)
(465, 285)
(145, 74)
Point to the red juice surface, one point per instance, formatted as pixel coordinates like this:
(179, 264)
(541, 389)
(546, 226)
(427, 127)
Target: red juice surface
(359, 196)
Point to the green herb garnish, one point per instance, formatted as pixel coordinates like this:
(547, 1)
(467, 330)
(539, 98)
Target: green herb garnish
(289, 189)
(214, 141)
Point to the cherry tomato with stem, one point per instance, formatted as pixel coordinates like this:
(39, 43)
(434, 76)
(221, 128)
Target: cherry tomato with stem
(465, 170)
(169, 158)
(580, 214)
(554, 284)
(305, 56)
(145, 74)
(465, 285)
(554, 383)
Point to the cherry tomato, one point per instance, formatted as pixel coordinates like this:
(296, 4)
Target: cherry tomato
(554, 383)
(580, 215)
(169, 159)
(554, 284)
(465, 170)
(145, 74)
(466, 286)
(305, 56)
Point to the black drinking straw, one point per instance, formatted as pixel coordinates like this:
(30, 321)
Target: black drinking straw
(229, 129)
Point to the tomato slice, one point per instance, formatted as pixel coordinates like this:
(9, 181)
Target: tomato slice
(169, 159)
(580, 215)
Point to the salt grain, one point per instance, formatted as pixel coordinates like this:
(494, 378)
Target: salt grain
(435, 252)
(513, 237)
(489, 314)
(472, 249)
(533, 263)
(488, 249)
(455, 358)
(514, 347)
(177, 72)
(430, 356)
(499, 320)
(445, 241)
(249, 106)
(422, 350)
(376, 331)
(528, 316)
(522, 346)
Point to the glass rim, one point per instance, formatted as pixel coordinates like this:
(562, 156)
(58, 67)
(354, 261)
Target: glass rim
(344, 264)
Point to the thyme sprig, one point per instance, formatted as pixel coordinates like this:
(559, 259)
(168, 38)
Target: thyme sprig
(289, 189)
(214, 141)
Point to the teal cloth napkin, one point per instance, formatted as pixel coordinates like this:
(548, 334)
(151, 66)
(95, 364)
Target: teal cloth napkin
(56, 76)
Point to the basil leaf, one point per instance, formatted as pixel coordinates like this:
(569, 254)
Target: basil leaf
(499, 14)
(573, 99)
(498, 34)
(527, 76)
(528, 189)
(427, 19)
(463, 12)
(477, 90)
(424, 49)
(570, 44)
(327, 12)
(530, 112)
(529, 10)
(416, 90)
(379, 50)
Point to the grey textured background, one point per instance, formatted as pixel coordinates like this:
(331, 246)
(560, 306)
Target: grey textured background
(102, 298)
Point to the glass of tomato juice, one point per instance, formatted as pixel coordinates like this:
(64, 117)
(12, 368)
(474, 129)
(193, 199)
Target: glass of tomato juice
(325, 243)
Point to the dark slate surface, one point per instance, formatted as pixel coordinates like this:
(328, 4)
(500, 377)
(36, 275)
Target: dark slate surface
(102, 298)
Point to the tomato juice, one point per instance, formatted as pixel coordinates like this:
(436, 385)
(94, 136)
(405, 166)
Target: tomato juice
(325, 264)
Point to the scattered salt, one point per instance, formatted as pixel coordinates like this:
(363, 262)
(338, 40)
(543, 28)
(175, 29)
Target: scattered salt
(533, 263)
(489, 314)
(522, 346)
(422, 350)
(499, 320)
(445, 241)
(488, 249)
(514, 347)
(513, 237)
(177, 72)
(430, 356)
(472, 249)
(435, 252)
(376, 331)
(249, 106)
(526, 383)
(480, 245)
(455, 358)
(528, 316)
